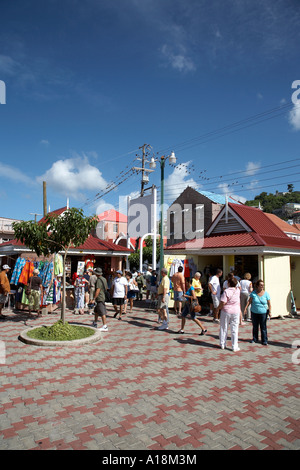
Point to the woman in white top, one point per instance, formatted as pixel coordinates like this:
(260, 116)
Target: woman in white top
(246, 289)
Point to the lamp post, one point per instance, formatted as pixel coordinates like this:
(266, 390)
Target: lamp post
(172, 159)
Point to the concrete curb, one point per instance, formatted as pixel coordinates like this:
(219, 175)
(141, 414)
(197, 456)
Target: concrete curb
(75, 342)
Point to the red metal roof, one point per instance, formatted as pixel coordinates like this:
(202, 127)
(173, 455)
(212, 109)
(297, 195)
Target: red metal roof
(96, 244)
(264, 233)
(221, 241)
(257, 220)
(56, 212)
(283, 225)
(91, 244)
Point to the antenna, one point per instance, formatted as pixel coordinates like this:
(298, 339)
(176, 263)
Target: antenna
(35, 214)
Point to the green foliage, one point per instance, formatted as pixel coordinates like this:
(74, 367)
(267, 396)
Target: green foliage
(134, 258)
(56, 233)
(60, 332)
(270, 202)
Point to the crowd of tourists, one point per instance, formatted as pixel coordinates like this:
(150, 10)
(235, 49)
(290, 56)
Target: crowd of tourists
(232, 303)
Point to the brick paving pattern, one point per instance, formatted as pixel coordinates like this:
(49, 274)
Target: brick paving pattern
(143, 389)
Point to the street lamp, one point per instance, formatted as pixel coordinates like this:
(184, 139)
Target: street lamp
(172, 160)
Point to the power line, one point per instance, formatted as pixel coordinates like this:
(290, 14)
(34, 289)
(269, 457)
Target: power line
(234, 127)
(229, 127)
(222, 180)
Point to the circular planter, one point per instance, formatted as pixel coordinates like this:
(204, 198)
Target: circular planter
(75, 342)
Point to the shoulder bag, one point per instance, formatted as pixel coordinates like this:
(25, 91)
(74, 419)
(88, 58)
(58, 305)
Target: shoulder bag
(106, 292)
(28, 288)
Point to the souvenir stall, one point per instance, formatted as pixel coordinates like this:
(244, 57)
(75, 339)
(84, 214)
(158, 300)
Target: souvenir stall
(50, 271)
(172, 263)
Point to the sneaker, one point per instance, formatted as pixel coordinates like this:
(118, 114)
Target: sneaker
(237, 349)
(215, 320)
(203, 332)
(95, 324)
(163, 326)
(103, 328)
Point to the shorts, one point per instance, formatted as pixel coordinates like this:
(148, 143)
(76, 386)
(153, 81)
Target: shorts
(163, 305)
(118, 301)
(187, 311)
(215, 300)
(34, 299)
(131, 294)
(178, 296)
(100, 309)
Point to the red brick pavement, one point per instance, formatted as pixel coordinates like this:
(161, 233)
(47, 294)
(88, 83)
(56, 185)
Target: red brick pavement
(140, 388)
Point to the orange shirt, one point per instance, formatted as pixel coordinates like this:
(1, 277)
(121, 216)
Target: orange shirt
(4, 283)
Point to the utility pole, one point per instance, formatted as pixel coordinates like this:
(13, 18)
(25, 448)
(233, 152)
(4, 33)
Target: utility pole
(143, 169)
(35, 215)
(45, 198)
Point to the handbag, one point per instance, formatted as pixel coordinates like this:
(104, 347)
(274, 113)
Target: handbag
(28, 289)
(106, 293)
(195, 307)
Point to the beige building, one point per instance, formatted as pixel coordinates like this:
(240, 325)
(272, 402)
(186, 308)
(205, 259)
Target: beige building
(6, 229)
(245, 239)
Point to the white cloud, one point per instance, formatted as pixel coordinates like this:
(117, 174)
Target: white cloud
(44, 142)
(73, 177)
(14, 174)
(252, 168)
(177, 181)
(294, 117)
(103, 206)
(179, 59)
(8, 65)
(225, 189)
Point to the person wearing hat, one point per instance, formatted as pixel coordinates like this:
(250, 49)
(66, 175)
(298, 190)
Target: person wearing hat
(34, 298)
(163, 298)
(100, 307)
(92, 286)
(119, 293)
(4, 288)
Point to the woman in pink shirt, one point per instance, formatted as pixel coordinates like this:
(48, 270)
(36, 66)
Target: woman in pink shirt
(230, 313)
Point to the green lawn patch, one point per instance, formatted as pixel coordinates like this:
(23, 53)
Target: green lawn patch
(60, 332)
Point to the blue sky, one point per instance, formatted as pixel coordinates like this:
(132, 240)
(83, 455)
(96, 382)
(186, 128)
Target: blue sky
(88, 82)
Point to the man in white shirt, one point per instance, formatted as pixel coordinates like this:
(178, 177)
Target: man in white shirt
(119, 293)
(215, 290)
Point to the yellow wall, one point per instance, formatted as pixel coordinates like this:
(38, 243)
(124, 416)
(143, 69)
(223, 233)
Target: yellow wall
(228, 264)
(295, 275)
(277, 279)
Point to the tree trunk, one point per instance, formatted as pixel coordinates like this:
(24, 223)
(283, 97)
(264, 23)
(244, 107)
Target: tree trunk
(63, 300)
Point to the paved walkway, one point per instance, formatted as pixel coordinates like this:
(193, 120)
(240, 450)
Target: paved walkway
(140, 388)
